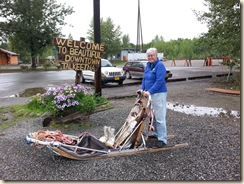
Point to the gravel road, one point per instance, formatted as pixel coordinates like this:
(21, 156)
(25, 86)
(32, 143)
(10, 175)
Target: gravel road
(213, 153)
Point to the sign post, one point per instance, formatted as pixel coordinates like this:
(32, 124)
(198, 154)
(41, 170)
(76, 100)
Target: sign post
(97, 39)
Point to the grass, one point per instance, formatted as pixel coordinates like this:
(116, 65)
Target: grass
(21, 112)
(16, 114)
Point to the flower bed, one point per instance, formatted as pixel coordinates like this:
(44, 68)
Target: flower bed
(66, 99)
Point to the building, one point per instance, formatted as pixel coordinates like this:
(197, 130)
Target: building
(124, 53)
(127, 54)
(8, 57)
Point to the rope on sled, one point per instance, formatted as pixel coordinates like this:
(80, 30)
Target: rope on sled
(56, 136)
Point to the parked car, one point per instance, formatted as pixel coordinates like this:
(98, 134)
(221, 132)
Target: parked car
(109, 73)
(136, 69)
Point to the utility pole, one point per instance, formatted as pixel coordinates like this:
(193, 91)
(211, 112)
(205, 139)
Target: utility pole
(97, 39)
(139, 43)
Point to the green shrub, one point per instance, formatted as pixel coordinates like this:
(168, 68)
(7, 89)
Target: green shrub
(66, 99)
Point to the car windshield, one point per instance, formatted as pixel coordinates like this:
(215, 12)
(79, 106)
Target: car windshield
(106, 63)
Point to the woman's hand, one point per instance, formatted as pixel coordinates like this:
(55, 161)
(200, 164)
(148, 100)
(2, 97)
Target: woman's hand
(146, 93)
(139, 91)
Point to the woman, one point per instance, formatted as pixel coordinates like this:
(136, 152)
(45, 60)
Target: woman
(154, 84)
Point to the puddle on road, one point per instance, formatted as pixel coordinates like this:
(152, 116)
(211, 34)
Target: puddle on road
(202, 111)
(31, 92)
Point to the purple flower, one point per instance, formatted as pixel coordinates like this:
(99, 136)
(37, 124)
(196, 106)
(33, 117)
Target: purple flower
(65, 95)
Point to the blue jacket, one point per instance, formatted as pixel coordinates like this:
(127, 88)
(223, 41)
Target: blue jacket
(154, 79)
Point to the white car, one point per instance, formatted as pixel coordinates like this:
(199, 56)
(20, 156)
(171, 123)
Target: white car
(109, 73)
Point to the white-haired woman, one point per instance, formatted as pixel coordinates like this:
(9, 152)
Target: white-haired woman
(154, 84)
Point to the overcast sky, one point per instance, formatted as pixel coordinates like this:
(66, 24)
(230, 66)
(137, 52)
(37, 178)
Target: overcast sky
(171, 19)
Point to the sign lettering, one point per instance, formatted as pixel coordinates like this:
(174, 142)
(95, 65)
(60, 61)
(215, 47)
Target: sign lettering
(79, 55)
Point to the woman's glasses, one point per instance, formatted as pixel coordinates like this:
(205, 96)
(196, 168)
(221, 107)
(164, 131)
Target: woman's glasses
(150, 56)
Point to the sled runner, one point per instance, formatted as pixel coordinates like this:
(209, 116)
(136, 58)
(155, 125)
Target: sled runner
(130, 139)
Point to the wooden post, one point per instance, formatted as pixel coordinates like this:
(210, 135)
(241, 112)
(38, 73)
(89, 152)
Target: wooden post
(97, 39)
(186, 62)
(173, 63)
(77, 77)
(78, 72)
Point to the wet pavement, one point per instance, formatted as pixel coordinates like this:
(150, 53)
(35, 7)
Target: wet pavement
(14, 83)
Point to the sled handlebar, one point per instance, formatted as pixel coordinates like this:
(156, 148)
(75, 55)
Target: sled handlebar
(141, 93)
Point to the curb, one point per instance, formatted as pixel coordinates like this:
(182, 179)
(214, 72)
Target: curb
(176, 80)
(197, 77)
(200, 77)
(182, 79)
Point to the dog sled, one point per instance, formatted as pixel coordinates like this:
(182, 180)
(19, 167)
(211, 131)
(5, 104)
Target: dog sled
(130, 139)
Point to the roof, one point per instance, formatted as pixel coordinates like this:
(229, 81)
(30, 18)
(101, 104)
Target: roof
(9, 52)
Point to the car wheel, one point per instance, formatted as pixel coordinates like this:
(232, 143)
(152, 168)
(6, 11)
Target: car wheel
(103, 83)
(120, 82)
(127, 75)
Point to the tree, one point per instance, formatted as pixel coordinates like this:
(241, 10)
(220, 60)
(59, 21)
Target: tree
(187, 49)
(31, 24)
(223, 20)
(125, 41)
(3, 45)
(171, 50)
(110, 36)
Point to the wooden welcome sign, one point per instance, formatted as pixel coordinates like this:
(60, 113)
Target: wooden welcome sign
(79, 55)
